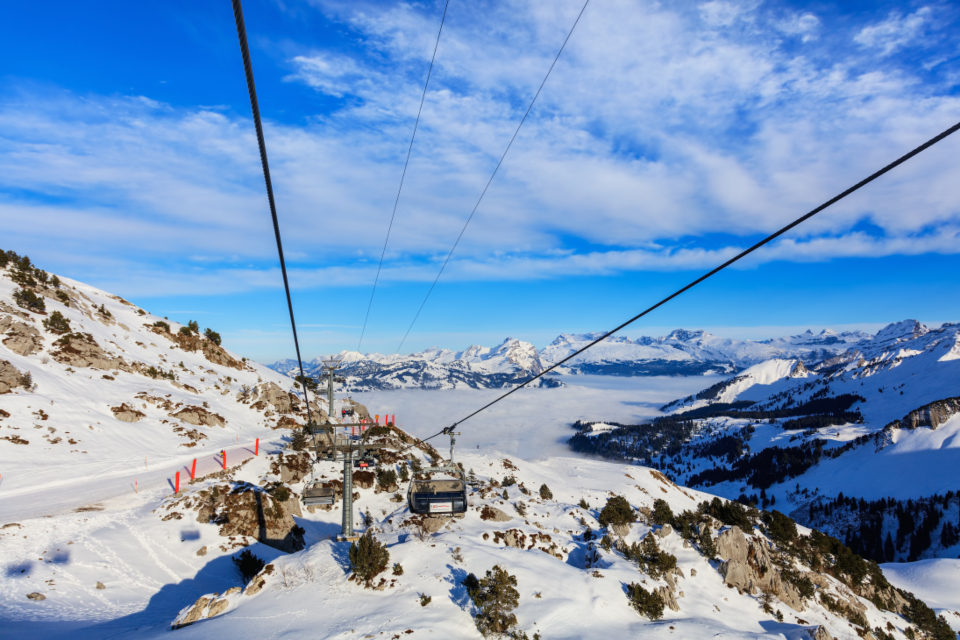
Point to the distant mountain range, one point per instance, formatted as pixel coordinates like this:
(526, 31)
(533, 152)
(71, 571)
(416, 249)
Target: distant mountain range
(681, 353)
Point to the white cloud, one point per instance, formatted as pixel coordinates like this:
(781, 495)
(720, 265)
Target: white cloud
(895, 32)
(652, 128)
(805, 26)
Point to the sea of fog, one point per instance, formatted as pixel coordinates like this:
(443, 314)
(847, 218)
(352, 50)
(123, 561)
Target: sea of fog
(531, 423)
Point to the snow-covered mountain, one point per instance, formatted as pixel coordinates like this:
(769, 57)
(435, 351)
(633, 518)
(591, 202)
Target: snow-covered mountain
(679, 353)
(876, 427)
(102, 404)
(508, 364)
(690, 352)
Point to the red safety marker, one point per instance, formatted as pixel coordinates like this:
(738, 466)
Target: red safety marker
(176, 484)
(378, 418)
(193, 469)
(224, 456)
(256, 448)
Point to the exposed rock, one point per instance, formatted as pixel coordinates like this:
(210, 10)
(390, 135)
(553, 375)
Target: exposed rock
(820, 633)
(23, 339)
(231, 591)
(668, 598)
(432, 524)
(191, 614)
(258, 582)
(101, 586)
(199, 416)
(126, 413)
(185, 387)
(494, 514)
(256, 514)
(9, 377)
(293, 467)
(81, 350)
(732, 545)
(693, 573)
(748, 567)
(621, 529)
(276, 397)
(664, 531)
(929, 415)
(363, 479)
(202, 551)
(218, 607)
(36, 596)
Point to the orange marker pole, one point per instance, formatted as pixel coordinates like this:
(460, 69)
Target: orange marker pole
(256, 448)
(193, 469)
(223, 455)
(176, 484)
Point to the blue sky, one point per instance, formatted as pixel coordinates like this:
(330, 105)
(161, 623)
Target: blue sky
(669, 136)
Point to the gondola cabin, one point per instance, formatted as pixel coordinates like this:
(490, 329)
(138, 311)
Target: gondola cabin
(437, 497)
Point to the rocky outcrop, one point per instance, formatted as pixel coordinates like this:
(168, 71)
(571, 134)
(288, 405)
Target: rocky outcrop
(666, 593)
(748, 567)
(929, 415)
(9, 377)
(22, 338)
(81, 350)
(126, 413)
(251, 512)
(192, 613)
(199, 416)
(272, 394)
(363, 479)
(292, 467)
(493, 514)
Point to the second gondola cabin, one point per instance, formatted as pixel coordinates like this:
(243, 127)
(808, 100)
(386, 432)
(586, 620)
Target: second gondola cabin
(437, 497)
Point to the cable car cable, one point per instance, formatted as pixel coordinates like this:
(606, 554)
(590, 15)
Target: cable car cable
(402, 176)
(497, 168)
(926, 145)
(255, 107)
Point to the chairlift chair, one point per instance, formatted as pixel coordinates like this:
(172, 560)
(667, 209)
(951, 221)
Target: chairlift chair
(317, 494)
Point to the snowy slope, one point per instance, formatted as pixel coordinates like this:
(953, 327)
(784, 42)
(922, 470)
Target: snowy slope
(148, 563)
(62, 438)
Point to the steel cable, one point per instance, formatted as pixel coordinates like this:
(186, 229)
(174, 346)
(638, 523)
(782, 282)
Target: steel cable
(416, 125)
(255, 107)
(494, 174)
(742, 254)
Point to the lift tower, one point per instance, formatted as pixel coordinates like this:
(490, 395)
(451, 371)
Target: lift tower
(330, 367)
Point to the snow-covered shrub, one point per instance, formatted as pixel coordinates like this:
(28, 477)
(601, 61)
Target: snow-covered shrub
(646, 603)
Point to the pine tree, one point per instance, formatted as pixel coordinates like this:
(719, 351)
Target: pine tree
(368, 557)
(57, 323)
(496, 598)
(545, 492)
(705, 541)
(662, 513)
(299, 440)
(617, 512)
(646, 603)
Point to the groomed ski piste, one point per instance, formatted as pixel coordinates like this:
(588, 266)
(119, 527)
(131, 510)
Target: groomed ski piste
(96, 543)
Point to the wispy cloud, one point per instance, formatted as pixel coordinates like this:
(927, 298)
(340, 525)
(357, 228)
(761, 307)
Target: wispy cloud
(895, 32)
(661, 128)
